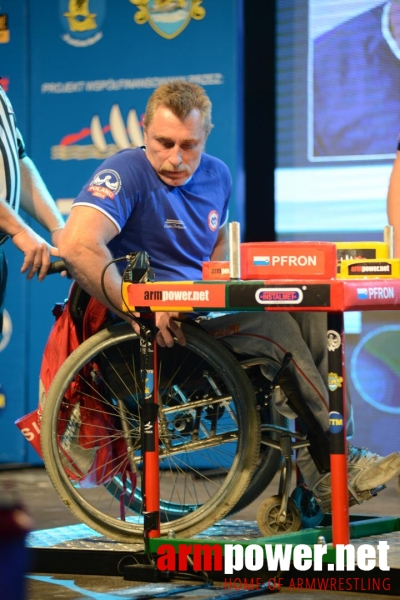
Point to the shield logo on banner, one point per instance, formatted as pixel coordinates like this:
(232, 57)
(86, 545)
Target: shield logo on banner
(81, 21)
(168, 18)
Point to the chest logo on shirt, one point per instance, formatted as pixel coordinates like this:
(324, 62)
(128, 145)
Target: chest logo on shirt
(105, 184)
(213, 220)
(174, 224)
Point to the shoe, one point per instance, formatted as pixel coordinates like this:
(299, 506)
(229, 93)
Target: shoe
(366, 472)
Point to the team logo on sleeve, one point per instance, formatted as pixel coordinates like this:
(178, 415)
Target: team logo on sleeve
(213, 220)
(105, 184)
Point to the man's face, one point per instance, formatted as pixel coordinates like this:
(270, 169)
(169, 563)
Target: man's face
(174, 147)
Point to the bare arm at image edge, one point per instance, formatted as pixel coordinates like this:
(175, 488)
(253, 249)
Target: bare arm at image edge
(393, 204)
(36, 199)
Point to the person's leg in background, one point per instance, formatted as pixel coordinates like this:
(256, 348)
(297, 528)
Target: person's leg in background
(272, 334)
(314, 326)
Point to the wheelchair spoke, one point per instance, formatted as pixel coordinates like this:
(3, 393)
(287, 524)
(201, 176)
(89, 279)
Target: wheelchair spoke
(208, 433)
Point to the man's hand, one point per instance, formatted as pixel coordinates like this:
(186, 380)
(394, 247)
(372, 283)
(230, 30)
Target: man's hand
(37, 253)
(168, 329)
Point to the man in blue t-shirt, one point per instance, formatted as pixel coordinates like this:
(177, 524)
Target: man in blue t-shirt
(356, 85)
(170, 199)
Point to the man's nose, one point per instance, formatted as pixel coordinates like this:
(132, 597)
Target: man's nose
(175, 157)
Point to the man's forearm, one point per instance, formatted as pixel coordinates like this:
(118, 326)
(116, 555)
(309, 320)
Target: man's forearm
(10, 222)
(393, 204)
(221, 248)
(36, 199)
(86, 266)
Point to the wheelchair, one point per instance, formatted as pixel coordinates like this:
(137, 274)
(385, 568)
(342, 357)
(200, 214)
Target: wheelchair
(221, 440)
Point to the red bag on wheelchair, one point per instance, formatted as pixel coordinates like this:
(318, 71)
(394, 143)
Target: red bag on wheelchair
(90, 442)
(89, 456)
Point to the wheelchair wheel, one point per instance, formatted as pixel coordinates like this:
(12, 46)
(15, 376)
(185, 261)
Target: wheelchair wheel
(209, 433)
(268, 517)
(310, 511)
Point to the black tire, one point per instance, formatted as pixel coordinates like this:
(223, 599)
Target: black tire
(201, 478)
(269, 459)
(268, 463)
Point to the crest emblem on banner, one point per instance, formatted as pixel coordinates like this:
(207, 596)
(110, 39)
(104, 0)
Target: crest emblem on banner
(82, 20)
(168, 18)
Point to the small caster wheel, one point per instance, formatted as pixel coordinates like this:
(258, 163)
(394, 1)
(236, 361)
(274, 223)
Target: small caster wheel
(267, 517)
(310, 511)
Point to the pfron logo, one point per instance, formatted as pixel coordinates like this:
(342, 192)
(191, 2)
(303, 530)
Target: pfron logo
(81, 20)
(261, 261)
(376, 293)
(294, 260)
(168, 18)
(362, 293)
(98, 141)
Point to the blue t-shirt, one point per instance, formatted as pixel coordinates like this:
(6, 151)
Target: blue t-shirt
(176, 226)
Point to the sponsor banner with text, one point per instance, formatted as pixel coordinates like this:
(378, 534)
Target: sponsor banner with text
(170, 296)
